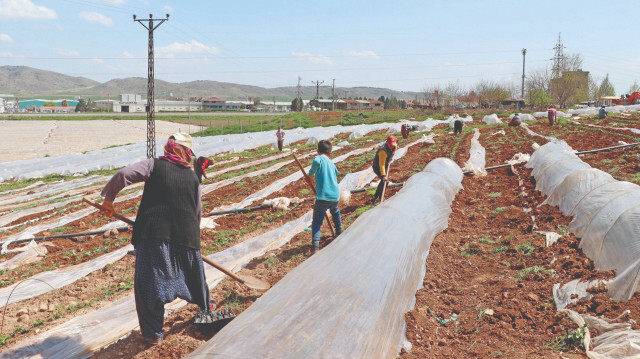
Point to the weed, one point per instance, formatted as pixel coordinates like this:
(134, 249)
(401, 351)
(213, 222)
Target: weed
(573, 339)
(635, 178)
(498, 210)
(562, 230)
(527, 248)
(469, 251)
(485, 239)
(606, 161)
(497, 354)
(500, 249)
(271, 261)
(4, 338)
(304, 192)
(529, 270)
(495, 194)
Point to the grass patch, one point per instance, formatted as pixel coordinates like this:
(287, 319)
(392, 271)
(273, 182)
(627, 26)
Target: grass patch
(498, 210)
(635, 178)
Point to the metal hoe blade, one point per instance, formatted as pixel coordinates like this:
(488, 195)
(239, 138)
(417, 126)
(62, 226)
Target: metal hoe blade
(211, 316)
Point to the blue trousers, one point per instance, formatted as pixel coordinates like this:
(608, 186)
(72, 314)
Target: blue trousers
(319, 210)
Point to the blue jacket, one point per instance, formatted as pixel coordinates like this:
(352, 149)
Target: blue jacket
(326, 175)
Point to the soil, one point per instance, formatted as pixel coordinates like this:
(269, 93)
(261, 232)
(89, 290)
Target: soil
(480, 297)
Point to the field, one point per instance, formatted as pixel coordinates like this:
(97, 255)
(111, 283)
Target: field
(489, 276)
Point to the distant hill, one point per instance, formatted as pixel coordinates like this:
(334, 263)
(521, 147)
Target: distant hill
(23, 80)
(26, 81)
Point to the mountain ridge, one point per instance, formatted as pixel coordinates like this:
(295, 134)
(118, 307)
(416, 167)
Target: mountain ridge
(24, 81)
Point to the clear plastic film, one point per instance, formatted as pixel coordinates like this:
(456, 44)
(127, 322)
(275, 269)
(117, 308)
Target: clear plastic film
(348, 300)
(477, 160)
(606, 213)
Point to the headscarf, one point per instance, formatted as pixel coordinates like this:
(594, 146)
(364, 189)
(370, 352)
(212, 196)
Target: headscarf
(178, 154)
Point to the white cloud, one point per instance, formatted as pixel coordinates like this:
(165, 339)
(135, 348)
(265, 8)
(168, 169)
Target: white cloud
(7, 54)
(168, 8)
(114, 2)
(365, 53)
(314, 59)
(127, 54)
(24, 9)
(191, 47)
(96, 17)
(66, 52)
(5, 38)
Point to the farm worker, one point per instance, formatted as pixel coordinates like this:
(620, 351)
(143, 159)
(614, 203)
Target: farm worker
(327, 193)
(602, 113)
(515, 121)
(405, 129)
(166, 234)
(280, 136)
(381, 161)
(200, 166)
(552, 114)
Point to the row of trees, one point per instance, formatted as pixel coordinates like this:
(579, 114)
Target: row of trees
(565, 86)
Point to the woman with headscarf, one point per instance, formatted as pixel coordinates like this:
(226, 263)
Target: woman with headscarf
(166, 234)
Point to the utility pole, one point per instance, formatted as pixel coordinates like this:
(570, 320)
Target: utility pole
(298, 104)
(333, 96)
(524, 53)
(189, 105)
(558, 59)
(151, 125)
(318, 83)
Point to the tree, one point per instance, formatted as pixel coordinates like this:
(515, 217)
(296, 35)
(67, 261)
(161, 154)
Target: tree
(634, 88)
(573, 62)
(538, 82)
(491, 94)
(430, 93)
(64, 103)
(81, 106)
(297, 104)
(606, 87)
(452, 91)
(84, 105)
(540, 98)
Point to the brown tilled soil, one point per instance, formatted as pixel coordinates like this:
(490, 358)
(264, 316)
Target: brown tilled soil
(488, 286)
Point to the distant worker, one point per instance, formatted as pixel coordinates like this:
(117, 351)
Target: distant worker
(280, 136)
(381, 162)
(166, 234)
(457, 125)
(602, 113)
(515, 121)
(200, 166)
(552, 115)
(327, 193)
(405, 129)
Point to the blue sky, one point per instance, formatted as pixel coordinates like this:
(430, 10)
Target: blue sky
(402, 45)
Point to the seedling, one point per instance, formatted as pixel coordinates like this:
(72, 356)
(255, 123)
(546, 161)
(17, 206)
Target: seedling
(527, 248)
(573, 339)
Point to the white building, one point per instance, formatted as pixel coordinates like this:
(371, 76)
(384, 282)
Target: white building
(135, 103)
